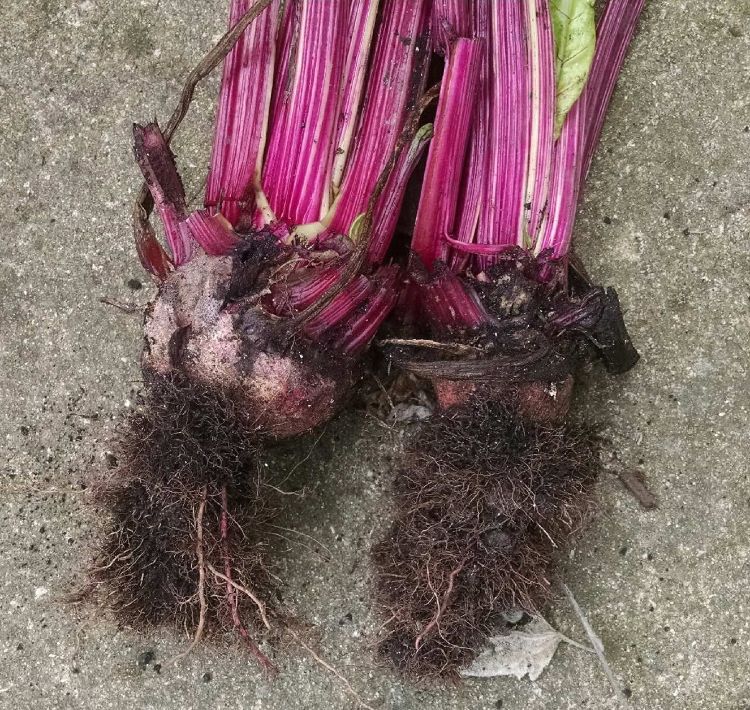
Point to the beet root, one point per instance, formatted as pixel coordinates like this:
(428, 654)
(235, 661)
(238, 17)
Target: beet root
(186, 511)
(207, 323)
(540, 402)
(484, 501)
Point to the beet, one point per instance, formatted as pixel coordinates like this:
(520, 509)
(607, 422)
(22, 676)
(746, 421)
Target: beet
(495, 488)
(500, 316)
(267, 297)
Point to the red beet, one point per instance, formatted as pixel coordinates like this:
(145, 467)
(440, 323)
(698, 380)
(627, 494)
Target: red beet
(267, 297)
(499, 316)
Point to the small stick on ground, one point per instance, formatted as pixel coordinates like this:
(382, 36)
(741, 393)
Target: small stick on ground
(201, 578)
(125, 306)
(596, 642)
(636, 486)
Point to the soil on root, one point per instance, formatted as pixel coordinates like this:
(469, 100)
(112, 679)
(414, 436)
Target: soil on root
(484, 503)
(185, 513)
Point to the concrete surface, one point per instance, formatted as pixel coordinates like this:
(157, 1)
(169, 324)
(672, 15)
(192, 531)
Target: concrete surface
(665, 220)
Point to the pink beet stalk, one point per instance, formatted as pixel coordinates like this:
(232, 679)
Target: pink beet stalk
(158, 168)
(151, 254)
(299, 157)
(557, 229)
(437, 206)
(213, 233)
(303, 288)
(451, 307)
(542, 80)
(362, 327)
(390, 202)
(614, 33)
(502, 220)
(450, 20)
(286, 50)
(340, 308)
(242, 117)
(473, 182)
(361, 22)
(397, 68)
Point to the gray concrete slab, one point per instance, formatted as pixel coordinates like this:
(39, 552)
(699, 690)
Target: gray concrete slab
(665, 219)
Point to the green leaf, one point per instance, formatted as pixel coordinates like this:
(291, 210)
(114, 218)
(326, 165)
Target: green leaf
(358, 228)
(574, 28)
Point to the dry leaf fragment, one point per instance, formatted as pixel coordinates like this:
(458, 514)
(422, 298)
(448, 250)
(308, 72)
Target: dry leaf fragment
(523, 651)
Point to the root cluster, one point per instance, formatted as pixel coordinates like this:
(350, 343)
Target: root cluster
(484, 503)
(185, 513)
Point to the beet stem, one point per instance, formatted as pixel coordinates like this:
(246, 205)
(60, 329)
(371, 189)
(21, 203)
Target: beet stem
(242, 116)
(362, 230)
(396, 77)
(542, 70)
(439, 197)
(152, 255)
(614, 33)
(450, 19)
